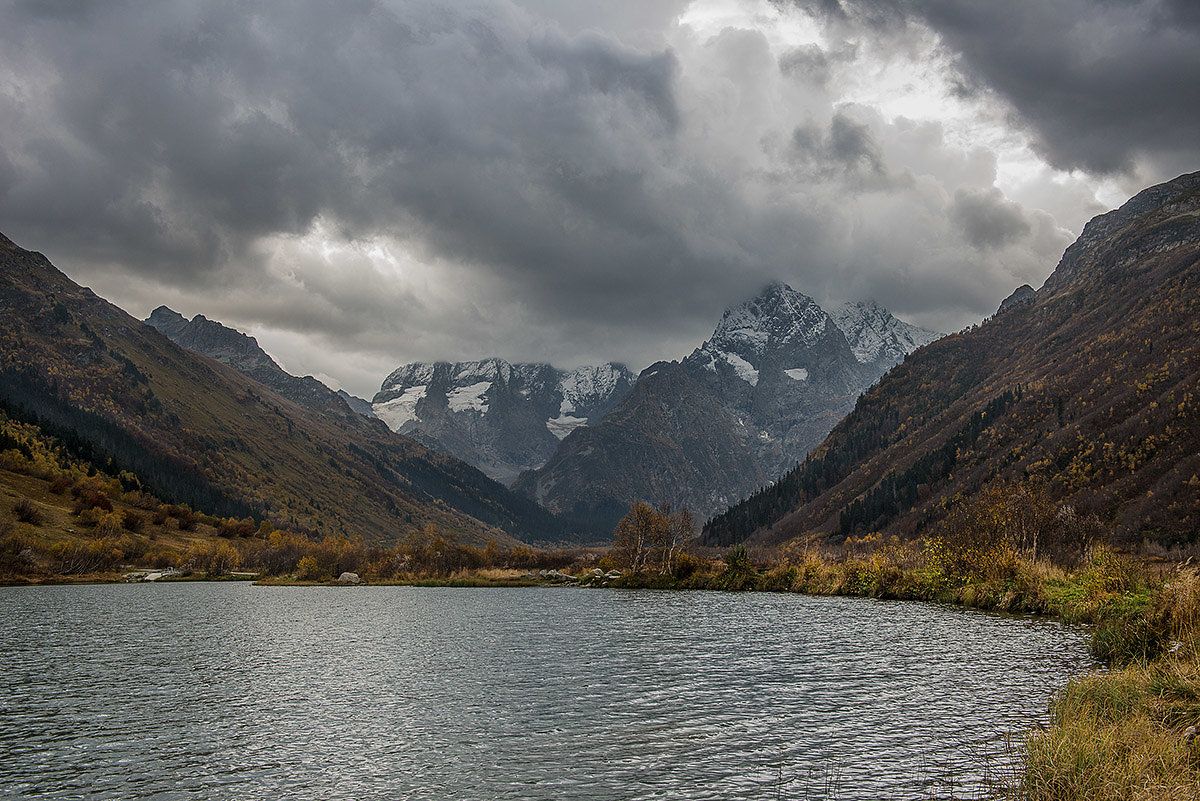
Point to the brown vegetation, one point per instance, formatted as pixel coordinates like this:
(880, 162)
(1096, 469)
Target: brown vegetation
(122, 398)
(1089, 395)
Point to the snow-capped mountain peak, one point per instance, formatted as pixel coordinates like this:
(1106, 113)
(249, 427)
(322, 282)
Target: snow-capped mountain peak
(876, 336)
(584, 387)
(503, 418)
(777, 317)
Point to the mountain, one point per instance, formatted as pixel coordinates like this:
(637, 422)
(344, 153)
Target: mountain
(1022, 294)
(192, 430)
(1084, 394)
(745, 406)
(242, 353)
(876, 337)
(503, 418)
(357, 405)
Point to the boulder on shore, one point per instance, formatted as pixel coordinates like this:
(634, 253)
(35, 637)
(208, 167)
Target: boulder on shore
(349, 578)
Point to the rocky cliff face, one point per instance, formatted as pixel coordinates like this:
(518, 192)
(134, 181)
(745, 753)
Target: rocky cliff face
(670, 441)
(503, 418)
(1022, 294)
(356, 404)
(876, 337)
(1100, 233)
(745, 406)
(783, 372)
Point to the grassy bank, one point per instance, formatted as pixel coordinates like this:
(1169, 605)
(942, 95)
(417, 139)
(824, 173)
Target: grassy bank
(1115, 592)
(1120, 734)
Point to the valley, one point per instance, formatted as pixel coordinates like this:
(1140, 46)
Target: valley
(1042, 461)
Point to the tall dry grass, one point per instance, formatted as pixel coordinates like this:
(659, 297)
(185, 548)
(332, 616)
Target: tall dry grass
(1120, 735)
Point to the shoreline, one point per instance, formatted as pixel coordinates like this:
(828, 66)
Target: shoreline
(1116, 732)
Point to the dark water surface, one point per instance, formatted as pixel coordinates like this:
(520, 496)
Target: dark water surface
(184, 691)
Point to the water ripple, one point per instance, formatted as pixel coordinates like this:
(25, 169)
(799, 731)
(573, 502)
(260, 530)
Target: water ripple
(190, 691)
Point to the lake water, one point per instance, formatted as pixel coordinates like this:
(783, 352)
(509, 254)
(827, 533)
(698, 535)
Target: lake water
(182, 691)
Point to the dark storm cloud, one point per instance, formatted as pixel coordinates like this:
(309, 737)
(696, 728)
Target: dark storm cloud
(809, 62)
(852, 144)
(986, 219)
(1101, 83)
(845, 149)
(423, 179)
(177, 134)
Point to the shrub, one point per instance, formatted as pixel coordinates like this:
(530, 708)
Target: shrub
(235, 528)
(59, 485)
(737, 559)
(686, 564)
(309, 569)
(215, 559)
(782, 578)
(75, 558)
(111, 525)
(144, 501)
(16, 550)
(92, 499)
(222, 558)
(28, 512)
(282, 552)
(739, 573)
(133, 521)
(157, 558)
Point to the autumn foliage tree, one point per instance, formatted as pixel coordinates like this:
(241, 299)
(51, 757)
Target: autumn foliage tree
(1003, 519)
(649, 539)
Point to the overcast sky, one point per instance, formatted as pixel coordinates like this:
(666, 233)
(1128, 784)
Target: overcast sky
(368, 183)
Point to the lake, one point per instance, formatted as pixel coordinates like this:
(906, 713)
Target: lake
(227, 690)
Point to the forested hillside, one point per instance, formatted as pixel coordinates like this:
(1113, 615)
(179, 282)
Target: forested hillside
(194, 431)
(1084, 399)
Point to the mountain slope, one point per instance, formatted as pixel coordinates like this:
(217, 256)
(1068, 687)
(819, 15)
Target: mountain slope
(503, 418)
(670, 441)
(357, 405)
(1088, 391)
(242, 353)
(745, 406)
(198, 432)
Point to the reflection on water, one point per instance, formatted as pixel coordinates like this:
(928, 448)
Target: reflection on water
(234, 691)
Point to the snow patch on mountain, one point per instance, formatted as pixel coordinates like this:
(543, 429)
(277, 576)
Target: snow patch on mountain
(743, 368)
(398, 411)
(469, 398)
(585, 386)
(485, 371)
(564, 424)
(407, 377)
(503, 418)
(797, 373)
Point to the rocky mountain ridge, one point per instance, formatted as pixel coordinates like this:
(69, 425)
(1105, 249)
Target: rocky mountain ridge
(242, 353)
(743, 407)
(194, 431)
(503, 418)
(876, 337)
